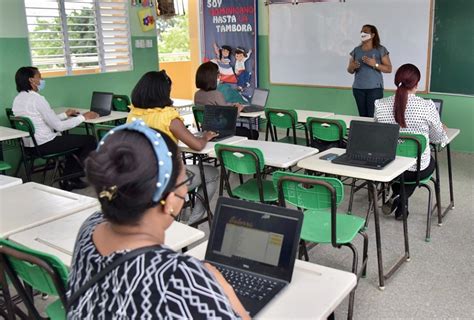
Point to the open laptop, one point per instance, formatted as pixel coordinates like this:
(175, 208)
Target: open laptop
(220, 119)
(439, 105)
(254, 246)
(371, 145)
(258, 102)
(101, 103)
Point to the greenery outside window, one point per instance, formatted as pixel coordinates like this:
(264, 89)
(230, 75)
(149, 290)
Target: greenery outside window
(173, 38)
(69, 37)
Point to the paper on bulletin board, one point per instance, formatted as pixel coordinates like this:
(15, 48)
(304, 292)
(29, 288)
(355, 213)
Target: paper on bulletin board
(146, 19)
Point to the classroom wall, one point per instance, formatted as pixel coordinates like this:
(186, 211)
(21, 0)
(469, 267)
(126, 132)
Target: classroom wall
(458, 111)
(70, 91)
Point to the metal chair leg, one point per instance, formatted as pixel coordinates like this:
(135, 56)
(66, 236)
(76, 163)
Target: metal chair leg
(428, 215)
(438, 201)
(355, 259)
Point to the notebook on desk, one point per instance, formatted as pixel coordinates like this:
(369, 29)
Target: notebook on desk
(258, 102)
(101, 103)
(371, 145)
(254, 246)
(220, 119)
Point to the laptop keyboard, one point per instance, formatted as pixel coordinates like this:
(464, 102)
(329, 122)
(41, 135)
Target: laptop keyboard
(366, 159)
(252, 109)
(247, 285)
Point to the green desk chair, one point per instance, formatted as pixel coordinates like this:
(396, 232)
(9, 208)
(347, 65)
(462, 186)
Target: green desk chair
(9, 112)
(245, 161)
(198, 112)
(38, 271)
(4, 166)
(326, 133)
(30, 155)
(120, 103)
(318, 197)
(413, 146)
(284, 119)
(101, 131)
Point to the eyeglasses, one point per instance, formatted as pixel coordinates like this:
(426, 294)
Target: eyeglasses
(187, 182)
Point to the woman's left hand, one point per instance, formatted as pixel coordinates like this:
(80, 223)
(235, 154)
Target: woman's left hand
(71, 112)
(369, 61)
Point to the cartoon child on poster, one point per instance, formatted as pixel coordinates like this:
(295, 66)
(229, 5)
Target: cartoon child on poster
(243, 76)
(223, 61)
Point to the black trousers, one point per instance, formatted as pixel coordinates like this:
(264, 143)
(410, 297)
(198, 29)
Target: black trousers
(84, 143)
(365, 99)
(410, 176)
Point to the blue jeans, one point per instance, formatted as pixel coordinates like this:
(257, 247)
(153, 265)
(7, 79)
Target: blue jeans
(365, 99)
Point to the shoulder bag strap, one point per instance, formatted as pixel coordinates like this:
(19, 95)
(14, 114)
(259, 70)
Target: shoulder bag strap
(130, 255)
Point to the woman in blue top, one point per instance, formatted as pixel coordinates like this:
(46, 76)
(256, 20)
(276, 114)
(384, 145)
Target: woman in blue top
(368, 61)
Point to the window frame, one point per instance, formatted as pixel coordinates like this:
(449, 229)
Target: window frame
(99, 15)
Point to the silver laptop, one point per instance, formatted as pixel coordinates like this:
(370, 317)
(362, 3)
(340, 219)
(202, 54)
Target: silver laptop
(258, 102)
(254, 246)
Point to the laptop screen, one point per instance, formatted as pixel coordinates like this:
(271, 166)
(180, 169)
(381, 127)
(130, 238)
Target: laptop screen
(373, 139)
(255, 237)
(102, 102)
(221, 119)
(439, 105)
(259, 97)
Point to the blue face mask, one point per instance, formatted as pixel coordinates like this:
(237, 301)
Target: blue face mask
(42, 84)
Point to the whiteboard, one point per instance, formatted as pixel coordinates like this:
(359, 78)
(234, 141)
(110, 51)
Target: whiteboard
(310, 42)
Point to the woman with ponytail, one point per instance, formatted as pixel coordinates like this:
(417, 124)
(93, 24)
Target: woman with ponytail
(414, 115)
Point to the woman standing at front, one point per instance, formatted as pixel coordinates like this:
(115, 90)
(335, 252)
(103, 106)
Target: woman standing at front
(367, 62)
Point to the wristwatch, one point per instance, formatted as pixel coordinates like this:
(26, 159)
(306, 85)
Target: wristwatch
(376, 66)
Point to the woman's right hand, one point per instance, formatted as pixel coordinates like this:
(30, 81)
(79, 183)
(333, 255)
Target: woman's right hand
(239, 107)
(209, 135)
(90, 115)
(229, 291)
(354, 65)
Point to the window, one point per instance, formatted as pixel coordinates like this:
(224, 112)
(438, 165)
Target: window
(79, 36)
(173, 34)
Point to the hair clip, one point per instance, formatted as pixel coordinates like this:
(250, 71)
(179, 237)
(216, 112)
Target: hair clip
(108, 193)
(400, 84)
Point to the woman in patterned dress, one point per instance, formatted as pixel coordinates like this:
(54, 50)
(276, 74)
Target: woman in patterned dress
(141, 185)
(414, 115)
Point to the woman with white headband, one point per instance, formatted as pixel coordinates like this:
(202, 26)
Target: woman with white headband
(121, 268)
(367, 62)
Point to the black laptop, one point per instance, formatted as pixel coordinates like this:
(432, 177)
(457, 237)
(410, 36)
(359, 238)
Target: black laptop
(258, 102)
(101, 103)
(254, 246)
(371, 145)
(439, 105)
(220, 119)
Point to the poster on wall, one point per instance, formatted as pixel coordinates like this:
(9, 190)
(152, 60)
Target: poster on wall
(230, 41)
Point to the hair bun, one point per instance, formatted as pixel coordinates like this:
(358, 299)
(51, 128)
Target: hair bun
(123, 159)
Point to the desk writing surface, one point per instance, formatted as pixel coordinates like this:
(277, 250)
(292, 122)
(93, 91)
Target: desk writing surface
(9, 133)
(347, 119)
(314, 292)
(304, 114)
(7, 181)
(59, 236)
(255, 114)
(278, 154)
(114, 115)
(209, 148)
(31, 204)
(452, 133)
(390, 172)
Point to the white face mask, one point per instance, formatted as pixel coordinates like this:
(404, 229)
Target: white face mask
(365, 36)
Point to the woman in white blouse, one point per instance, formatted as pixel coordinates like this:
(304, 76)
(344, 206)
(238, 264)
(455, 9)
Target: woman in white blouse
(48, 125)
(414, 115)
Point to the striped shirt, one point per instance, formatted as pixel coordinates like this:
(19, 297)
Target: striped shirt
(158, 284)
(421, 117)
